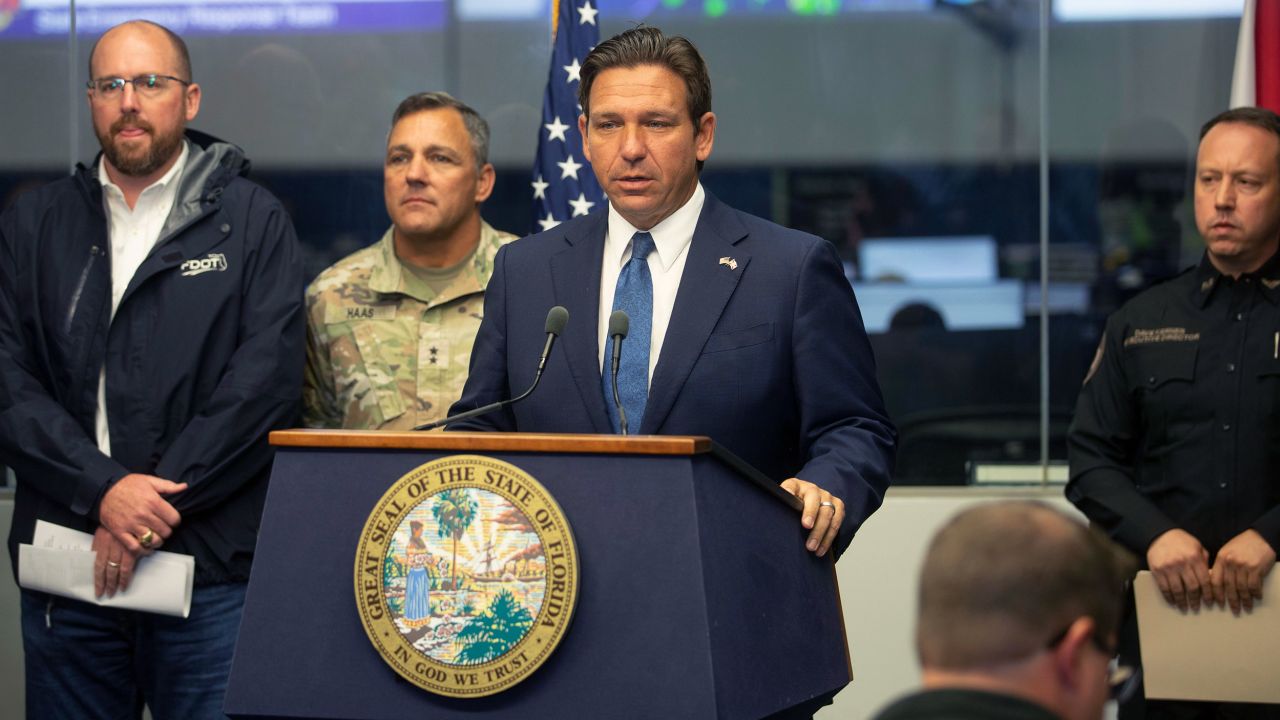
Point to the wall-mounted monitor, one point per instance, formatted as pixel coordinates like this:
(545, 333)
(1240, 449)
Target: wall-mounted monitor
(52, 18)
(944, 259)
(1069, 10)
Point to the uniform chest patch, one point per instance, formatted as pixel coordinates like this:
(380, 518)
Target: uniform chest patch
(356, 313)
(1144, 336)
(213, 262)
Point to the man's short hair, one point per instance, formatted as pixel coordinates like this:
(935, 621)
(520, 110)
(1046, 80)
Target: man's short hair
(1001, 580)
(648, 46)
(477, 128)
(1258, 117)
(179, 47)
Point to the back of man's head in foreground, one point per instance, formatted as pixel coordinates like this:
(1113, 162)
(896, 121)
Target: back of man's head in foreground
(1002, 580)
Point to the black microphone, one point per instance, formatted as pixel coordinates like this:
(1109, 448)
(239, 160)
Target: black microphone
(557, 317)
(619, 324)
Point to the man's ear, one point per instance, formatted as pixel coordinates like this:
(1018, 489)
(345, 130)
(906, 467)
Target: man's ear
(484, 183)
(191, 101)
(705, 137)
(1070, 655)
(582, 130)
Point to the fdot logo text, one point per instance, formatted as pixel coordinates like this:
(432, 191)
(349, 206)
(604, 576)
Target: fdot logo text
(211, 262)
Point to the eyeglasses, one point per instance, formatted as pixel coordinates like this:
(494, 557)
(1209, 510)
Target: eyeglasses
(1122, 680)
(148, 86)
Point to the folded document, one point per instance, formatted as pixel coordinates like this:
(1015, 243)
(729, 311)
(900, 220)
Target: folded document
(59, 561)
(1212, 654)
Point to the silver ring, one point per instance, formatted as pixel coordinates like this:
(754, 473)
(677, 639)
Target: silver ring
(828, 504)
(113, 564)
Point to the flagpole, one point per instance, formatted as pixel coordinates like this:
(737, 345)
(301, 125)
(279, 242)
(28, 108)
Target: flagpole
(1045, 357)
(452, 50)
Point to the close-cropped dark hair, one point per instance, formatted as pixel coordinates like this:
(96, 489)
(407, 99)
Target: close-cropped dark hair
(477, 128)
(648, 46)
(179, 48)
(1258, 117)
(1001, 580)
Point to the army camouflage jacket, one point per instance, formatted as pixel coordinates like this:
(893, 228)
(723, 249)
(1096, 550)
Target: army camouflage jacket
(382, 353)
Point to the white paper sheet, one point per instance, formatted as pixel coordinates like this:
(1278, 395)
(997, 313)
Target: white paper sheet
(1211, 654)
(59, 561)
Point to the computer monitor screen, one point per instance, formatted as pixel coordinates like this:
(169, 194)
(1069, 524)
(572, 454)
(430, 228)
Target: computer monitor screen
(997, 306)
(965, 259)
(1144, 9)
(52, 18)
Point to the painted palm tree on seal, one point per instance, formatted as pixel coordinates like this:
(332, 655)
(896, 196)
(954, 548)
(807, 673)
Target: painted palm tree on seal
(495, 631)
(454, 510)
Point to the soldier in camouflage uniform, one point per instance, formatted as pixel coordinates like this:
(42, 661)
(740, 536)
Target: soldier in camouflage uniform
(390, 327)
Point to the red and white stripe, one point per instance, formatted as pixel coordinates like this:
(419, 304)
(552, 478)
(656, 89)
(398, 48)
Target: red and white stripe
(1256, 79)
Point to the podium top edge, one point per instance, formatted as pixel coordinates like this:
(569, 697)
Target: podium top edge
(494, 442)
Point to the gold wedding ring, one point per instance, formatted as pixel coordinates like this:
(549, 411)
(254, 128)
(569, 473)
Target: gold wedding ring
(147, 538)
(112, 563)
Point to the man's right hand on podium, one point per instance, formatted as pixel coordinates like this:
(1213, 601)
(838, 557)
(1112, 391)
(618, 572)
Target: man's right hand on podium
(821, 515)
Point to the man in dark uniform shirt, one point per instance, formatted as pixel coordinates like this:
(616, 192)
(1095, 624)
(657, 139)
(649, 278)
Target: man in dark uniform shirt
(1175, 448)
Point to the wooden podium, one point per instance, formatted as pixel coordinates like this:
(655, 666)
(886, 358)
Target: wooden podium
(697, 598)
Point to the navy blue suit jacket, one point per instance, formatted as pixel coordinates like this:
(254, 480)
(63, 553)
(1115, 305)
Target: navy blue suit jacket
(769, 359)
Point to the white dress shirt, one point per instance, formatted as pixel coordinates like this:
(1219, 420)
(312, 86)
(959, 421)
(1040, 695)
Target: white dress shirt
(671, 239)
(131, 236)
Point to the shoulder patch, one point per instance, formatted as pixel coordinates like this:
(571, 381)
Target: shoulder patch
(1097, 360)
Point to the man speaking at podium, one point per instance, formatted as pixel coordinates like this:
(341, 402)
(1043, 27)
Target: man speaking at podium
(739, 329)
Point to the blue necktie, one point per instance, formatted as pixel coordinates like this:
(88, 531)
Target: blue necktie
(634, 296)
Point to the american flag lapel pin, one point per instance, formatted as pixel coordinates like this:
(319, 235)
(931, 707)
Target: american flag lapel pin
(729, 262)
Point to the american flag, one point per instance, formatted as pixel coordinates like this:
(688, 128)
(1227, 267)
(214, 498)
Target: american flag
(1256, 79)
(563, 184)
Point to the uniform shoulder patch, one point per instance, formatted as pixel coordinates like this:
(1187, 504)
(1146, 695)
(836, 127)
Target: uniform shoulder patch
(1097, 360)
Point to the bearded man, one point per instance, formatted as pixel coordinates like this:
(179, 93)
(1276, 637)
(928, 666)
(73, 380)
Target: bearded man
(151, 335)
